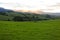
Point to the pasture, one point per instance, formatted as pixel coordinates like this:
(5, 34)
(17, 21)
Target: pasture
(41, 30)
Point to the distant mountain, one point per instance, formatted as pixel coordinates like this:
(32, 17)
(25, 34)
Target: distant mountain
(20, 11)
(5, 10)
(55, 14)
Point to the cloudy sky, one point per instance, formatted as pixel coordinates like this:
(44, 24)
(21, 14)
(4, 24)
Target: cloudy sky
(44, 5)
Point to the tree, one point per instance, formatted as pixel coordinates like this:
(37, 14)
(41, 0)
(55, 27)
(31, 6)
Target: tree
(17, 18)
(2, 13)
(9, 20)
(48, 16)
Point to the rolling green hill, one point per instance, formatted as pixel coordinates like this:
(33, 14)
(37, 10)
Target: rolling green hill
(3, 17)
(24, 15)
(42, 30)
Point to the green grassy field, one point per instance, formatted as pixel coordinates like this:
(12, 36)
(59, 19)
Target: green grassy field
(43, 30)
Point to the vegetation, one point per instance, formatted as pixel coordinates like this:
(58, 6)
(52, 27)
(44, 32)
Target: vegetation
(29, 29)
(10, 15)
(23, 16)
(42, 30)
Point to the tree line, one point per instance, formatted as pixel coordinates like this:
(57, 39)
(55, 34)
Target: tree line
(26, 16)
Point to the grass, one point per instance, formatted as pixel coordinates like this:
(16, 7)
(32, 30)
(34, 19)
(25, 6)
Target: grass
(43, 30)
(2, 17)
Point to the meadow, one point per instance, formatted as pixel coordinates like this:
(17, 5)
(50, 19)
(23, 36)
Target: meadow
(41, 30)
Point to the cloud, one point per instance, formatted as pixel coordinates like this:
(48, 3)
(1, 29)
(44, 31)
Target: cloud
(45, 5)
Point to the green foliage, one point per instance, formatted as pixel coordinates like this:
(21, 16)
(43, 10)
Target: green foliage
(18, 18)
(2, 17)
(43, 30)
(2, 13)
(24, 16)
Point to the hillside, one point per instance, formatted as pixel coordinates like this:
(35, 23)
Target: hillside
(2, 17)
(7, 14)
